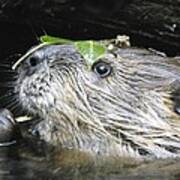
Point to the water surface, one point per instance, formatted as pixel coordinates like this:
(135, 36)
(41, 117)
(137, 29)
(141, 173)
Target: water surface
(16, 165)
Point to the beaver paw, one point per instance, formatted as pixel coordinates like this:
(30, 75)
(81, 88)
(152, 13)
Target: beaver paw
(8, 128)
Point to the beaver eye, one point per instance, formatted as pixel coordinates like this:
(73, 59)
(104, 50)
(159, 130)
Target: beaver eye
(103, 69)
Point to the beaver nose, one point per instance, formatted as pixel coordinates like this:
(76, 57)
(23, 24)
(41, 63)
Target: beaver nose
(32, 64)
(33, 61)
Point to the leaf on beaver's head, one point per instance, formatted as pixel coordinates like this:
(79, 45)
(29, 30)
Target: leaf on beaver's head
(54, 40)
(90, 50)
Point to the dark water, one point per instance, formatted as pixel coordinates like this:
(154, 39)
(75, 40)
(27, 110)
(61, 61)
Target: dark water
(14, 164)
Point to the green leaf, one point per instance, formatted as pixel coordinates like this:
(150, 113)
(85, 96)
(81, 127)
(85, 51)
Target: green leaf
(54, 40)
(90, 50)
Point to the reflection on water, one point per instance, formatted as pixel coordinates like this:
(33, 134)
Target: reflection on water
(71, 165)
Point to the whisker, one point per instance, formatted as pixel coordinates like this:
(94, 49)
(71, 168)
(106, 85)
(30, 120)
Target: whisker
(11, 103)
(5, 65)
(14, 77)
(11, 83)
(6, 85)
(19, 110)
(8, 78)
(16, 108)
(7, 71)
(9, 95)
(11, 57)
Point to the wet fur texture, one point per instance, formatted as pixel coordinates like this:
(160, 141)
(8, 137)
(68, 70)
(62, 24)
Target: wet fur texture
(129, 113)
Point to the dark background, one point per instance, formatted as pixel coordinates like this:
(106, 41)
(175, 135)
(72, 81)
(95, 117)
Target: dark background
(149, 23)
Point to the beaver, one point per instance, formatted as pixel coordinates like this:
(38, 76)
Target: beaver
(125, 105)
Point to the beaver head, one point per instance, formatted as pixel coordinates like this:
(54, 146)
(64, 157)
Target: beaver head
(122, 105)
